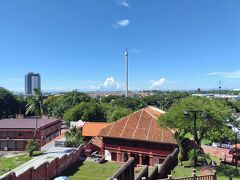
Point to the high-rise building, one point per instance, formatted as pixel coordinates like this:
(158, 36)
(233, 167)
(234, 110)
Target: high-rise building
(32, 81)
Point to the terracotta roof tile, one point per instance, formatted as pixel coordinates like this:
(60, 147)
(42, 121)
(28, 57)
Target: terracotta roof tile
(97, 141)
(140, 125)
(93, 128)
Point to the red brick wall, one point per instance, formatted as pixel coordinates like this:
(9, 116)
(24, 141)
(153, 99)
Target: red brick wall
(47, 170)
(53, 168)
(26, 175)
(221, 153)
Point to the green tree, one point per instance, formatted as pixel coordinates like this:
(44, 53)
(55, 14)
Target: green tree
(37, 107)
(58, 105)
(118, 113)
(86, 111)
(8, 104)
(217, 115)
(73, 137)
(164, 100)
(31, 147)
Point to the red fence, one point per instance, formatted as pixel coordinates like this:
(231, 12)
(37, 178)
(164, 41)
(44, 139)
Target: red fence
(47, 170)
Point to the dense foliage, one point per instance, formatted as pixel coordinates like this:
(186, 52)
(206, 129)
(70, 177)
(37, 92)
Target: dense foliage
(57, 105)
(31, 147)
(9, 105)
(86, 111)
(165, 100)
(214, 125)
(73, 137)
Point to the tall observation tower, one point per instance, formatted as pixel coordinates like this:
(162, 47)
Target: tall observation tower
(126, 62)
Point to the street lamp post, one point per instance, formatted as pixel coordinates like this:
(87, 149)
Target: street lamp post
(194, 112)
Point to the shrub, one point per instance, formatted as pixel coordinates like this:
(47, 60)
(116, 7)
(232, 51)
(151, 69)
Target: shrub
(31, 147)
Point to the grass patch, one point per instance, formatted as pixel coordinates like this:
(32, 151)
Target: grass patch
(7, 164)
(137, 171)
(38, 153)
(223, 171)
(185, 170)
(90, 170)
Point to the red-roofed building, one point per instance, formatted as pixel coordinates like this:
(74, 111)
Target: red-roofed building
(138, 135)
(15, 133)
(92, 129)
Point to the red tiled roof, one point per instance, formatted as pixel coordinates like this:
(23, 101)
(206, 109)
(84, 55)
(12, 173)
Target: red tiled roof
(93, 128)
(25, 123)
(140, 125)
(97, 141)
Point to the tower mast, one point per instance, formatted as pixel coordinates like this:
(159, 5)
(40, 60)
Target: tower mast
(126, 63)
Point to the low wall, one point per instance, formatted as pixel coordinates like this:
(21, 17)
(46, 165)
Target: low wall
(126, 172)
(168, 164)
(221, 153)
(47, 170)
(143, 173)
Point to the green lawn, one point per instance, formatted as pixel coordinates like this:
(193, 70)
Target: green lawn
(88, 170)
(223, 171)
(7, 164)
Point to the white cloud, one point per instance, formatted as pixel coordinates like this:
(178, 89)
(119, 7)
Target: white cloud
(230, 75)
(156, 84)
(121, 23)
(123, 3)
(109, 84)
(136, 51)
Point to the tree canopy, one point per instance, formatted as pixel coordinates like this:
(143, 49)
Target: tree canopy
(86, 111)
(9, 105)
(164, 100)
(217, 115)
(57, 105)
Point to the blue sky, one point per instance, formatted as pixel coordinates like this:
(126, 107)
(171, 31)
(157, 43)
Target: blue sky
(79, 44)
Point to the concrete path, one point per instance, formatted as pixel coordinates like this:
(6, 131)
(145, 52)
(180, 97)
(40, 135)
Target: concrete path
(47, 156)
(51, 144)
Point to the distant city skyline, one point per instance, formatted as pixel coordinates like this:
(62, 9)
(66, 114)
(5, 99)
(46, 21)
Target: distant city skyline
(173, 45)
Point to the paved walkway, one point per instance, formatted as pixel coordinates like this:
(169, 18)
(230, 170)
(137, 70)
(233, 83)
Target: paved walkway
(47, 156)
(51, 144)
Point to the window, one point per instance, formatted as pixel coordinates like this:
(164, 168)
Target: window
(11, 134)
(20, 134)
(11, 144)
(114, 156)
(20, 144)
(3, 144)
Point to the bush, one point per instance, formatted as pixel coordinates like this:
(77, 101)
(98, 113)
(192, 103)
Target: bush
(31, 147)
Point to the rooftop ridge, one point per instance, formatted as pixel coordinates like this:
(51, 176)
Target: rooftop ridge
(113, 124)
(139, 119)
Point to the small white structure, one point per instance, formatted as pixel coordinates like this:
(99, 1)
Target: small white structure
(78, 124)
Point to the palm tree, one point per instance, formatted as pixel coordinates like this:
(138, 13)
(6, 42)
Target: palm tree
(36, 105)
(73, 137)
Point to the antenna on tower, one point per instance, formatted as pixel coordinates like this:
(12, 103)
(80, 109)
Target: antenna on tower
(126, 63)
(220, 87)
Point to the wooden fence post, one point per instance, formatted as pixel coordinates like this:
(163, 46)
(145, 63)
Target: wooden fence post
(215, 175)
(194, 174)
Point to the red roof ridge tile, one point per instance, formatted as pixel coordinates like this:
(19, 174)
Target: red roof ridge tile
(139, 119)
(113, 124)
(149, 129)
(125, 125)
